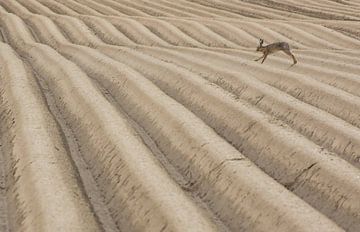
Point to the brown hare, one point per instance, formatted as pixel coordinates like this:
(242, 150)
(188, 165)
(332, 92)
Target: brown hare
(274, 47)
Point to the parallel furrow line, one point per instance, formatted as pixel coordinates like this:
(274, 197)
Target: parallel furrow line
(301, 10)
(80, 8)
(4, 224)
(121, 8)
(327, 109)
(210, 38)
(152, 109)
(36, 157)
(257, 136)
(321, 127)
(173, 201)
(87, 179)
(350, 151)
(146, 9)
(140, 115)
(58, 8)
(100, 131)
(328, 98)
(100, 7)
(345, 78)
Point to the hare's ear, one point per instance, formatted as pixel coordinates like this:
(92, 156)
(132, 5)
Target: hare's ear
(261, 41)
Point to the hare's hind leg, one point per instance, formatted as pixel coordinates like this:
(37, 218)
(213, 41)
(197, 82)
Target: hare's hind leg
(265, 55)
(287, 52)
(259, 58)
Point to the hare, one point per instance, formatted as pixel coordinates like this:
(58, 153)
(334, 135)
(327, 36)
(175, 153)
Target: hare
(274, 47)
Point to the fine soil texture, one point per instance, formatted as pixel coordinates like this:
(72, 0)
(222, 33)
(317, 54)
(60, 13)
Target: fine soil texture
(135, 115)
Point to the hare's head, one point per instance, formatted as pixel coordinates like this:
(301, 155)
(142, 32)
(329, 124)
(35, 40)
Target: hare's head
(260, 47)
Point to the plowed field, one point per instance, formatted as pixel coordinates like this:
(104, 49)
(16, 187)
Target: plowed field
(135, 115)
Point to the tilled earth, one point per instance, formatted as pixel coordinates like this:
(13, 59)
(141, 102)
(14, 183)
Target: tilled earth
(134, 115)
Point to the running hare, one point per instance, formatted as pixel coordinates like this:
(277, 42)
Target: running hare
(274, 47)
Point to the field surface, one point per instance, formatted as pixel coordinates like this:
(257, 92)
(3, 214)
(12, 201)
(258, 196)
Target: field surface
(135, 115)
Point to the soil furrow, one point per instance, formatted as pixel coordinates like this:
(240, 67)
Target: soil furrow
(91, 189)
(3, 201)
(34, 159)
(79, 8)
(340, 75)
(182, 7)
(100, 7)
(355, 158)
(135, 115)
(58, 8)
(132, 28)
(202, 34)
(96, 67)
(328, 98)
(161, 157)
(116, 171)
(34, 8)
(331, 61)
(321, 127)
(164, 8)
(218, 12)
(241, 125)
(301, 10)
(145, 9)
(122, 8)
(107, 32)
(215, 39)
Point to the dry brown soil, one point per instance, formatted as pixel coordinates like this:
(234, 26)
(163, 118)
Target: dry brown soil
(135, 115)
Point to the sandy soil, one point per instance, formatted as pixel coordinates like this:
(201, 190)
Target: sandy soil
(135, 115)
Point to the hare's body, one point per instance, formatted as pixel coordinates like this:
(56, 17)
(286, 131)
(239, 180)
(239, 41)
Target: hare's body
(274, 47)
